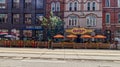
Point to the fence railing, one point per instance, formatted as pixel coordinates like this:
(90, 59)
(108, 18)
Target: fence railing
(39, 44)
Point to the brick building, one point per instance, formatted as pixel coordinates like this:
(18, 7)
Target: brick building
(56, 6)
(24, 16)
(83, 13)
(111, 18)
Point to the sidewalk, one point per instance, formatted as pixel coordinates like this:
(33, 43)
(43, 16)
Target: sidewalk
(60, 54)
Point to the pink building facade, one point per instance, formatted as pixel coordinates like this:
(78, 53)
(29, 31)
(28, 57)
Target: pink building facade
(83, 13)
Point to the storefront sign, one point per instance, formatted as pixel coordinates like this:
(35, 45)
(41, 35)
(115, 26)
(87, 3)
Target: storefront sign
(78, 30)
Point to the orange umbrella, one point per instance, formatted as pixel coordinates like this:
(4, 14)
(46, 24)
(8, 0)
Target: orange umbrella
(71, 36)
(86, 36)
(100, 36)
(58, 36)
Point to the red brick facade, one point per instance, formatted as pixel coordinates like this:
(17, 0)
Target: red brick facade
(57, 13)
(113, 10)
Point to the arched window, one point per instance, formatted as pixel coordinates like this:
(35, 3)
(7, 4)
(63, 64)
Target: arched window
(58, 6)
(107, 3)
(52, 6)
(70, 6)
(88, 6)
(91, 20)
(118, 3)
(93, 6)
(73, 20)
(119, 18)
(75, 6)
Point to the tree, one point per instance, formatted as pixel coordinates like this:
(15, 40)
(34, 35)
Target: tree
(52, 25)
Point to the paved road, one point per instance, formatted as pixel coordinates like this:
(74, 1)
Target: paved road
(55, 63)
(67, 54)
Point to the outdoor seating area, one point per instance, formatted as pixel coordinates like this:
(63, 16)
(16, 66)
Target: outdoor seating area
(61, 45)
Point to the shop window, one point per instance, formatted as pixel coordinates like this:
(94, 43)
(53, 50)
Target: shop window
(16, 18)
(16, 3)
(27, 4)
(27, 33)
(2, 4)
(3, 18)
(28, 19)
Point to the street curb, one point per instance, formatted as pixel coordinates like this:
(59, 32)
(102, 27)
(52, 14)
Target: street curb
(67, 59)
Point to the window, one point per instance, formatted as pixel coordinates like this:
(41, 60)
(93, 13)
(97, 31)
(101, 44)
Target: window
(107, 3)
(73, 20)
(91, 21)
(88, 6)
(39, 4)
(39, 18)
(58, 6)
(75, 6)
(119, 18)
(16, 18)
(53, 6)
(70, 6)
(2, 4)
(27, 33)
(28, 19)
(3, 18)
(118, 3)
(93, 7)
(27, 4)
(107, 18)
(16, 3)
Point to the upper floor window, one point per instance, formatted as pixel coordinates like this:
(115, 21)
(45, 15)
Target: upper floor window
(3, 18)
(27, 4)
(107, 3)
(16, 3)
(73, 20)
(2, 4)
(75, 6)
(58, 6)
(91, 20)
(70, 6)
(118, 3)
(93, 7)
(28, 19)
(88, 6)
(52, 6)
(118, 18)
(39, 18)
(16, 18)
(107, 18)
(39, 4)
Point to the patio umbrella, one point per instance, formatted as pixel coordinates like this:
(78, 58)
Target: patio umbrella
(3, 33)
(100, 36)
(71, 36)
(58, 36)
(10, 36)
(86, 36)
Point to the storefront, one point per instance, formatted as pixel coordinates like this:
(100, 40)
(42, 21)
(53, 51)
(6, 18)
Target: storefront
(78, 32)
(33, 33)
